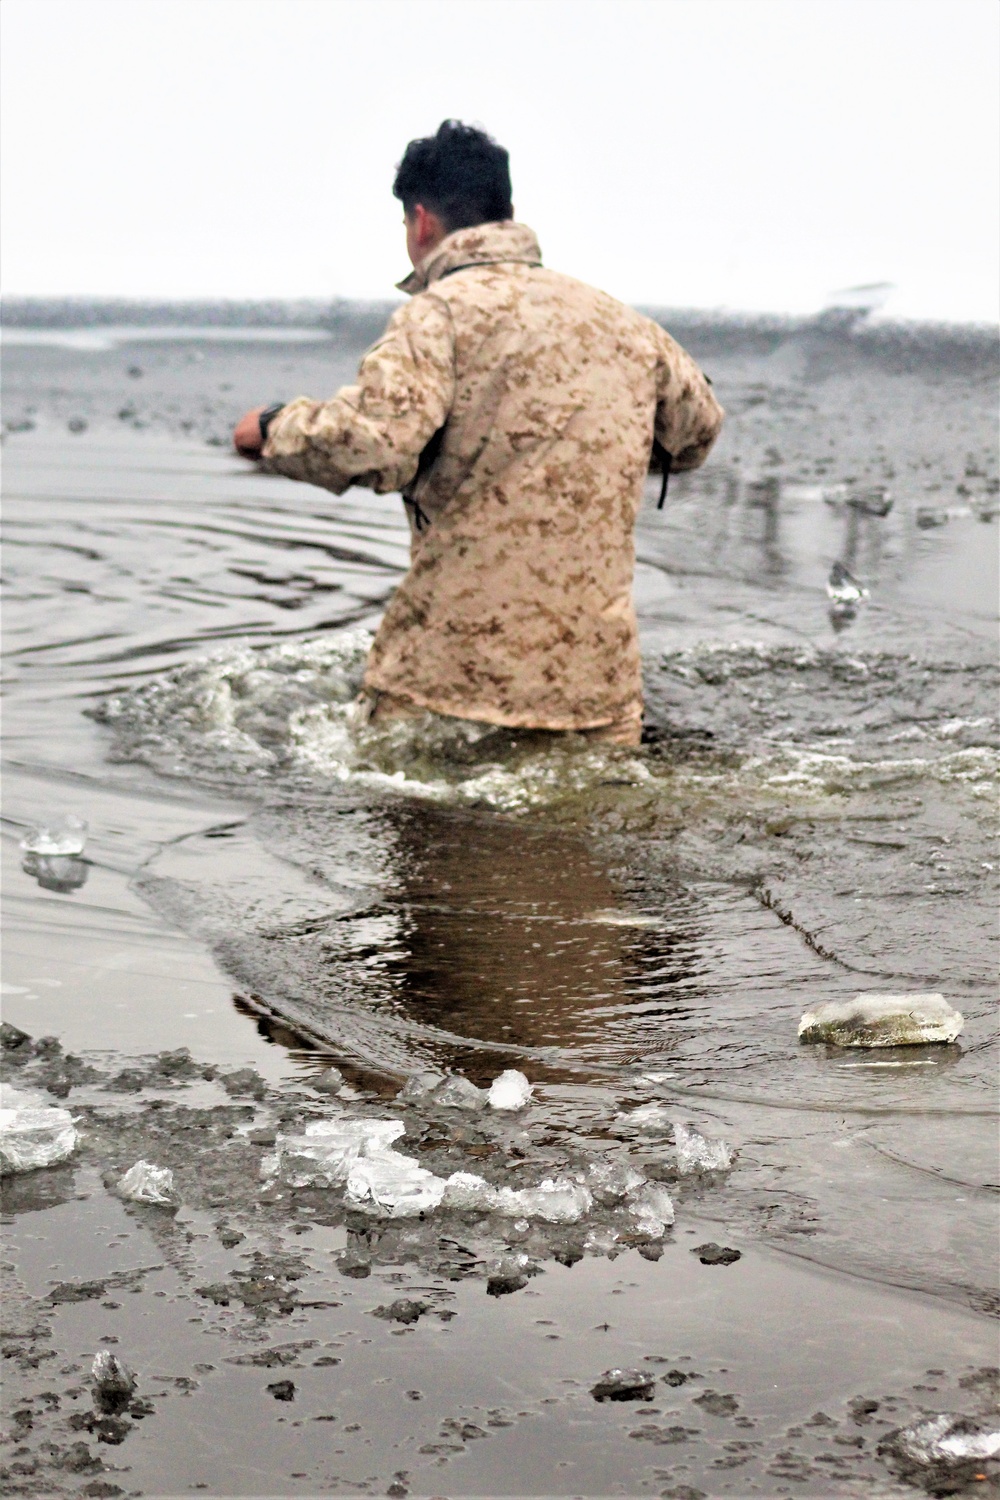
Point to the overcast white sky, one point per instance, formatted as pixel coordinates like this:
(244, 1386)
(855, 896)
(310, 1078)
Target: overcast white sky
(755, 154)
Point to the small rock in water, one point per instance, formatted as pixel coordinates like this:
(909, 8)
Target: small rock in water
(511, 1090)
(145, 1183)
(873, 1020)
(712, 1254)
(282, 1390)
(458, 1093)
(77, 424)
(624, 1385)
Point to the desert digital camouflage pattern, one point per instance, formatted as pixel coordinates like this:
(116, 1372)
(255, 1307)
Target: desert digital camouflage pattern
(517, 607)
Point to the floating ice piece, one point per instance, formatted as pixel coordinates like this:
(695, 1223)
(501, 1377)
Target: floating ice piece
(946, 1439)
(145, 1183)
(557, 1201)
(652, 1208)
(395, 1184)
(509, 1274)
(466, 1190)
(695, 1154)
(873, 1020)
(112, 1376)
(843, 588)
(324, 1155)
(601, 1239)
(651, 1119)
(458, 1093)
(419, 1085)
(33, 1134)
(612, 918)
(62, 836)
(610, 1181)
(510, 1091)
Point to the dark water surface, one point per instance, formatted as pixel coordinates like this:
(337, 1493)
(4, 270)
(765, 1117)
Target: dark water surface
(813, 815)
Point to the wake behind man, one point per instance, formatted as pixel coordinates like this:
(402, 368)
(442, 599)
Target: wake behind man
(515, 409)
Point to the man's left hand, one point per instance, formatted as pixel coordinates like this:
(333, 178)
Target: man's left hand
(246, 434)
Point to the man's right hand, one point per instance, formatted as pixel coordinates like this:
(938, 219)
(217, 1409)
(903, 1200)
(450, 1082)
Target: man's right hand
(246, 434)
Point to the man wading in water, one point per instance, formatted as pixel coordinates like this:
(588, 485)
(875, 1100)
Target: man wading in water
(516, 410)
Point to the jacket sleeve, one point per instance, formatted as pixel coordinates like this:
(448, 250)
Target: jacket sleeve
(688, 417)
(372, 433)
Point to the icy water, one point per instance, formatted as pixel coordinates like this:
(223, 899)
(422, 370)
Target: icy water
(813, 814)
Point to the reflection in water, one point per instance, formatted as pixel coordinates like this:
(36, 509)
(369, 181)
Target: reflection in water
(56, 872)
(765, 495)
(516, 935)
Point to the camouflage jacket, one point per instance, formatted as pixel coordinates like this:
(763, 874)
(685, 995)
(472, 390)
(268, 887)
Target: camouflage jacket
(534, 400)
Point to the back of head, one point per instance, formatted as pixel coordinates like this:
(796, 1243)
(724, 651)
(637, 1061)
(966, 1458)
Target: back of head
(460, 174)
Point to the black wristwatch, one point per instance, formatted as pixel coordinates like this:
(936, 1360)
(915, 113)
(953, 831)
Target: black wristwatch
(266, 417)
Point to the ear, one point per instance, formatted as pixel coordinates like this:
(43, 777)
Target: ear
(428, 229)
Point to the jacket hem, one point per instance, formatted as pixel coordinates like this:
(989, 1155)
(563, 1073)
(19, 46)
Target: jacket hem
(487, 714)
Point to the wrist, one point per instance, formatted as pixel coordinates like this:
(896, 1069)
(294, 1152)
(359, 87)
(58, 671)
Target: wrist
(266, 417)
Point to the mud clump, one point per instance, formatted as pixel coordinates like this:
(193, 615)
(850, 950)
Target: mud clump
(403, 1310)
(624, 1385)
(712, 1254)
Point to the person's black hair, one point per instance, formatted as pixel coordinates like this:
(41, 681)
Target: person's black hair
(460, 174)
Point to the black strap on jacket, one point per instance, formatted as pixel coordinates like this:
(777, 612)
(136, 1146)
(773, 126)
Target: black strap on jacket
(666, 463)
(427, 457)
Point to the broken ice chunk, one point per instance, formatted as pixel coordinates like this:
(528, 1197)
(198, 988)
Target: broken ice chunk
(465, 1190)
(874, 1020)
(652, 1209)
(610, 1181)
(323, 1156)
(112, 1377)
(510, 1274)
(651, 1119)
(557, 1201)
(510, 1091)
(843, 588)
(944, 1439)
(32, 1134)
(146, 1183)
(395, 1184)
(419, 1085)
(66, 835)
(458, 1093)
(695, 1154)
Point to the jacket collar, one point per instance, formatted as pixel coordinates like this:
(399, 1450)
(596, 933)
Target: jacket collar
(482, 245)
